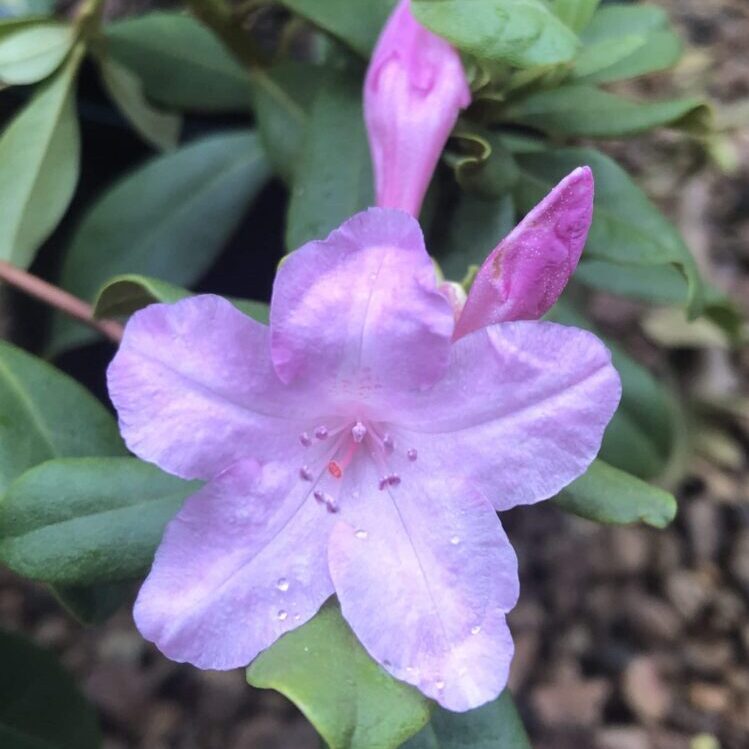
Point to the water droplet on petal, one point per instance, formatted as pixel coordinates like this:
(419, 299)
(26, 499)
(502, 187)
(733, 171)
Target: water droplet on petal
(455, 540)
(282, 615)
(475, 630)
(282, 584)
(387, 663)
(321, 432)
(319, 495)
(358, 431)
(440, 685)
(394, 479)
(412, 454)
(305, 439)
(361, 534)
(297, 617)
(388, 443)
(331, 505)
(383, 483)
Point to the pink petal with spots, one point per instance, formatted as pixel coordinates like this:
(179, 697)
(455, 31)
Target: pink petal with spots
(524, 276)
(242, 563)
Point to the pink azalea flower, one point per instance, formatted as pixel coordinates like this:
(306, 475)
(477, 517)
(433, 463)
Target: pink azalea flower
(414, 90)
(353, 447)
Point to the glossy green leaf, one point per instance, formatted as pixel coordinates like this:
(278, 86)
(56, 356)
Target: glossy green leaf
(80, 521)
(661, 47)
(356, 22)
(334, 176)
(521, 32)
(169, 219)
(656, 284)
(39, 153)
(180, 62)
(160, 129)
(40, 704)
(123, 295)
(595, 59)
(627, 228)
(34, 51)
(45, 414)
(576, 13)
(581, 110)
(493, 726)
(282, 97)
(351, 701)
(607, 495)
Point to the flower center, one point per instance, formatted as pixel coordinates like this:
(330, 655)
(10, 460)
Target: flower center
(332, 453)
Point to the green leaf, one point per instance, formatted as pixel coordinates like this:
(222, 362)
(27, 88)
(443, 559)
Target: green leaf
(39, 153)
(160, 129)
(594, 59)
(180, 62)
(351, 701)
(93, 604)
(656, 284)
(356, 22)
(496, 725)
(576, 13)
(32, 52)
(282, 97)
(581, 110)
(40, 704)
(123, 295)
(45, 414)
(627, 228)
(334, 176)
(661, 47)
(521, 32)
(463, 238)
(607, 495)
(81, 521)
(170, 219)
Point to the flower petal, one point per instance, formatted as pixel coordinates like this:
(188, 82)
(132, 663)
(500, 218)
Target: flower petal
(425, 574)
(523, 277)
(360, 311)
(242, 563)
(521, 410)
(414, 90)
(195, 389)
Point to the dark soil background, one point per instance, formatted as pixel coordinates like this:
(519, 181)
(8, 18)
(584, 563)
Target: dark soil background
(627, 638)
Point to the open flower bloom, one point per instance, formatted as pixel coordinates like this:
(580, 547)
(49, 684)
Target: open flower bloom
(354, 447)
(414, 90)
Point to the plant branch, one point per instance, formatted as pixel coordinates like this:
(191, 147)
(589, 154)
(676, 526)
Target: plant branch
(59, 299)
(220, 17)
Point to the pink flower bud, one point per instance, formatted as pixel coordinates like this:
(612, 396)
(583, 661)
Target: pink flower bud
(523, 277)
(414, 89)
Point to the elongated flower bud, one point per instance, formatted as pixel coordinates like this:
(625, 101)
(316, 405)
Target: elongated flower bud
(414, 90)
(525, 274)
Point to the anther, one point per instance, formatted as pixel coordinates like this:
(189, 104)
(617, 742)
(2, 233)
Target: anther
(304, 474)
(321, 432)
(412, 454)
(358, 431)
(304, 438)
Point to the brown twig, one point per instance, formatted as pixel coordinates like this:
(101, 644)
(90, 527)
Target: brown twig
(59, 299)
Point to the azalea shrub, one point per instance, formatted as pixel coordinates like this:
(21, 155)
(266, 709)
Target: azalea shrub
(308, 485)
